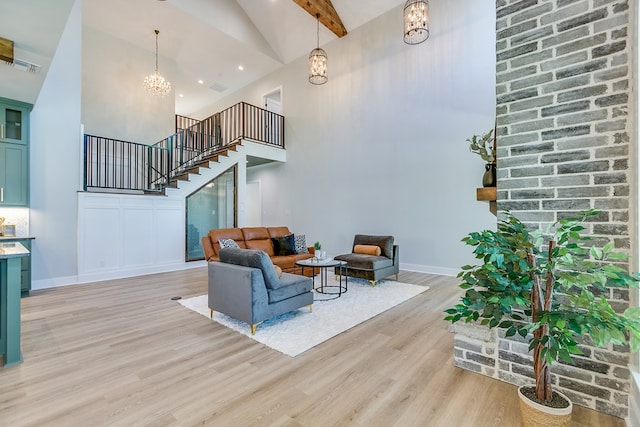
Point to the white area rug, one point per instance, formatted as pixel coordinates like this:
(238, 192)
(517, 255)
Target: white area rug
(298, 331)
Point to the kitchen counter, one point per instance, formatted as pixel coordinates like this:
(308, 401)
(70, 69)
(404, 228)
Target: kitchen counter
(10, 284)
(25, 288)
(14, 238)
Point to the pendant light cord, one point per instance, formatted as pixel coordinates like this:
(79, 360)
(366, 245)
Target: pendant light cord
(157, 32)
(317, 30)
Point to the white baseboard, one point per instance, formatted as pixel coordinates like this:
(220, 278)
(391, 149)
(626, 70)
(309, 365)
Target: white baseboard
(418, 268)
(111, 275)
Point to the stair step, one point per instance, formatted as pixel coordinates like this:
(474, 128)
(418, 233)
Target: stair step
(205, 163)
(195, 170)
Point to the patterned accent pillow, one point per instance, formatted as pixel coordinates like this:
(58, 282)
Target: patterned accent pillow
(228, 243)
(301, 243)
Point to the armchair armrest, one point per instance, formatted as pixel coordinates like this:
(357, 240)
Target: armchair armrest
(236, 290)
(396, 255)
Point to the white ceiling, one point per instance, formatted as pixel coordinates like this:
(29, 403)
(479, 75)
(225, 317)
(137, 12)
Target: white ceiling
(207, 39)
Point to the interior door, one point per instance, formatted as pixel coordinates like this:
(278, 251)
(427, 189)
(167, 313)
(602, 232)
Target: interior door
(254, 204)
(272, 102)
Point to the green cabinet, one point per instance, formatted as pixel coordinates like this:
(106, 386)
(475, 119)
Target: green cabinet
(25, 269)
(14, 153)
(14, 175)
(14, 121)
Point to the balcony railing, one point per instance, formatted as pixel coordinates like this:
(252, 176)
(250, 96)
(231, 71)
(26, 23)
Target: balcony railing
(122, 165)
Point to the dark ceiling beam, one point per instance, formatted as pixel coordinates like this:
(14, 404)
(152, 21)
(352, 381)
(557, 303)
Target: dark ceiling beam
(328, 15)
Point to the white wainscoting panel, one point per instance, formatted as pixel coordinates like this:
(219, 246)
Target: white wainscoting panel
(127, 235)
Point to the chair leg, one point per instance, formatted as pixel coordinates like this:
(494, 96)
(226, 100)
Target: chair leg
(210, 313)
(310, 308)
(253, 327)
(396, 277)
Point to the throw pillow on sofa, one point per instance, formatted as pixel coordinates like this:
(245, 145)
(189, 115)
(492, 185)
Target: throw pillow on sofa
(228, 243)
(367, 250)
(284, 245)
(301, 243)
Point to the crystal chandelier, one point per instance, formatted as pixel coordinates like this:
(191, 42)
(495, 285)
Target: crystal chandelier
(318, 60)
(416, 21)
(155, 83)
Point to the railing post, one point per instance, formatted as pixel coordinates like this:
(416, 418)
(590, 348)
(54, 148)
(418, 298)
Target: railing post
(85, 163)
(149, 167)
(169, 160)
(243, 132)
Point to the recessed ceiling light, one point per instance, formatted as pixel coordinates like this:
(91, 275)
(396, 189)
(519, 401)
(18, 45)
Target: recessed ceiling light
(240, 67)
(180, 94)
(200, 81)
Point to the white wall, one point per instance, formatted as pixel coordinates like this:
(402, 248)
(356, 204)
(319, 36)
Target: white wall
(55, 159)
(114, 103)
(381, 147)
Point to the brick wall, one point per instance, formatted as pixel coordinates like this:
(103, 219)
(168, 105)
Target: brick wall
(563, 99)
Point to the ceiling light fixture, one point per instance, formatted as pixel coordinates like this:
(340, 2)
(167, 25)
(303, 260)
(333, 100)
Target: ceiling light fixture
(318, 60)
(416, 21)
(155, 83)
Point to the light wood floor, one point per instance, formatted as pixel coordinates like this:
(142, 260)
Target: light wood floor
(121, 353)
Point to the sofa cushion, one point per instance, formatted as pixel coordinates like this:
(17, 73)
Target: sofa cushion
(384, 242)
(365, 262)
(226, 233)
(284, 245)
(217, 234)
(255, 259)
(284, 262)
(255, 233)
(261, 245)
(292, 285)
(278, 231)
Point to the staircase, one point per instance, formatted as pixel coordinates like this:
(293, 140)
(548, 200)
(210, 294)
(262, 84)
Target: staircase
(129, 167)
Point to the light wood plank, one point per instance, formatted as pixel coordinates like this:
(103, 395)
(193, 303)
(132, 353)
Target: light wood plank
(121, 353)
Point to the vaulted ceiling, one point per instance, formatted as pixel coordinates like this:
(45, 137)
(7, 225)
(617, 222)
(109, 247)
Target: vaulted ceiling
(207, 39)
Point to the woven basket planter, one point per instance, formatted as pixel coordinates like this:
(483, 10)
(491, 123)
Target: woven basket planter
(536, 415)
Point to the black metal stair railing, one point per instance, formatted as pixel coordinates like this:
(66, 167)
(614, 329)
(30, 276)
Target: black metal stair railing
(122, 165)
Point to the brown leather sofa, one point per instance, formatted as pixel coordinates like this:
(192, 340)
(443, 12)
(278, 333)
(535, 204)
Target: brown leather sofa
(255, 238)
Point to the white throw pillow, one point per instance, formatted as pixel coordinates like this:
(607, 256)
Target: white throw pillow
(301, 243)
(228, 243)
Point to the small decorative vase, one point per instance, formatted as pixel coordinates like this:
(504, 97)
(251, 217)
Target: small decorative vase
(489, 177)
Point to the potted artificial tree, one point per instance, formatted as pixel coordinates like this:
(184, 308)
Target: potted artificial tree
(484, 146)
(546, 287)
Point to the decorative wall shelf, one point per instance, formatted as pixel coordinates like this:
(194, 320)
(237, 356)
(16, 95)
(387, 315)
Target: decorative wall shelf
(488, 194)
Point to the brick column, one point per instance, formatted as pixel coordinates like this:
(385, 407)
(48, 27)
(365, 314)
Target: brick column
(563, 83)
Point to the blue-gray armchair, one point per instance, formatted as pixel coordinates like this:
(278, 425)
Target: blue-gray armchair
(244, 285)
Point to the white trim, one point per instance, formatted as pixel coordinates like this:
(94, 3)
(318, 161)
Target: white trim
(111, 275)
(430, 269)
